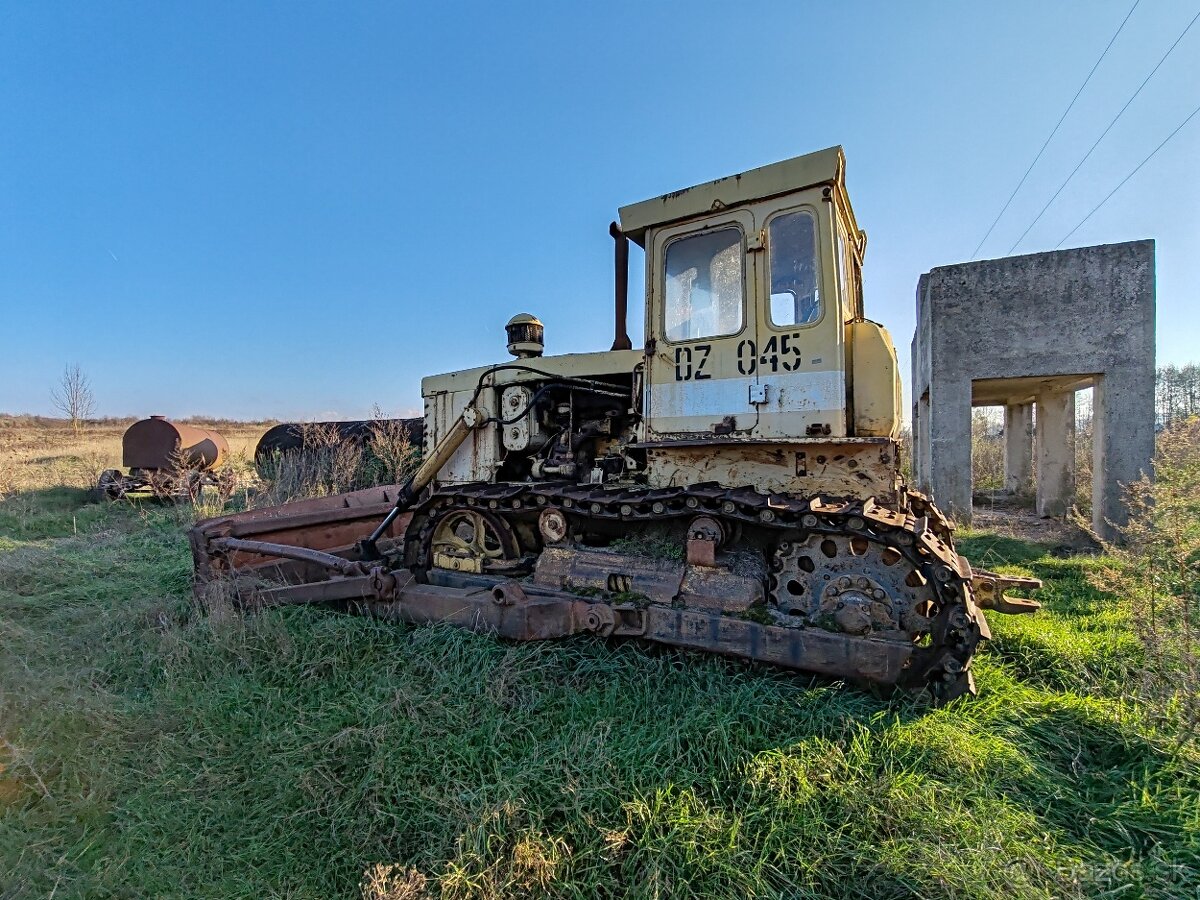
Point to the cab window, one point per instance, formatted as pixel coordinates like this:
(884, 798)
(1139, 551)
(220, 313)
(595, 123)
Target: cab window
(704, 285)
(795, 272)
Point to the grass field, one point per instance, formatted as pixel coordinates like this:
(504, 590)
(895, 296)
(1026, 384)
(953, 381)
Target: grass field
(147, 750)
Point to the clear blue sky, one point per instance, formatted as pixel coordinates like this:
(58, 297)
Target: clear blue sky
(296, 210)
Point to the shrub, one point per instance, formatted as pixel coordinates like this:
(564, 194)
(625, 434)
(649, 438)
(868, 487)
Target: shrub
(1155, 569)
(987, 451)
(390, 455)
(331, 464)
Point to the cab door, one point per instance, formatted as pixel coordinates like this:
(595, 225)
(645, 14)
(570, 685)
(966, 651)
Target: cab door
(701, 287)
(798, 361)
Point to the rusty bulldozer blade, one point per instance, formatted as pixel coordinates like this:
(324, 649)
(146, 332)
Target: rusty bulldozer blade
(295, 543)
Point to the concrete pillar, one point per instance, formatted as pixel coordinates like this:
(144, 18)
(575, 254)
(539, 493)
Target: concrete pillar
(1018, 447)
(950, 446)
(921, 451)
(1122, 442)
(1054, 438)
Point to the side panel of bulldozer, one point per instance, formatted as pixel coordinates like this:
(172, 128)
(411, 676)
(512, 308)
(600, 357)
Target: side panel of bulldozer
(850, 467)
(875, 378)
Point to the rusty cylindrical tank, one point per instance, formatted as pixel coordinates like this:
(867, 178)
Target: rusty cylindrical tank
(289, 437)
(158, 443)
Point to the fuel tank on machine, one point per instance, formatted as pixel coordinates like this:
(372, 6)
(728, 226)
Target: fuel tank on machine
(158, 443)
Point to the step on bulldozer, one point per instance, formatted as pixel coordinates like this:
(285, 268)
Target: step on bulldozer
(734, 486)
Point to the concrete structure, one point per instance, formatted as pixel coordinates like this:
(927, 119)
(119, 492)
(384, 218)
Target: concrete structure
(1026, 333)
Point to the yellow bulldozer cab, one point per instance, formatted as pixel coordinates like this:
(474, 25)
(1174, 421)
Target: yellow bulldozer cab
(754, 309)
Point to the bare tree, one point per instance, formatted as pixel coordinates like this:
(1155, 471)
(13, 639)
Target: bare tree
(73, 396)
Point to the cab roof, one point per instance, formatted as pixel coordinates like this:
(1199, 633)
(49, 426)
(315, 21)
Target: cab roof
(821, 167)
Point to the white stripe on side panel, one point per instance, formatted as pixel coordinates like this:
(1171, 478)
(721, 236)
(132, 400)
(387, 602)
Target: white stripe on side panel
(794, 392)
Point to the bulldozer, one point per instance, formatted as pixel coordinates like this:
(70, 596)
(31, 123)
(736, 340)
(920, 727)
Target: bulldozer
(733, 486)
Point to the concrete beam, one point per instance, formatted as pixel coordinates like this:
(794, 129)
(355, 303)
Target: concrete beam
(922, 461)
(1055, 445)
(1018, 448)
(1005, 391)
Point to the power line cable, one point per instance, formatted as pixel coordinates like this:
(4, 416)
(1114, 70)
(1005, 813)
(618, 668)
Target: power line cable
(1166, 140)
(1007, 202)
(1079, 165)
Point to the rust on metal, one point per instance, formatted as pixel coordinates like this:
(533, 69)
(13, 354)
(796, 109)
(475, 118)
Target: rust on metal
(167, 460)
(546, 614)
(287, 551)
(704, 536)
(159, 443)
(990, 587)
(330, 525)
(839, 614)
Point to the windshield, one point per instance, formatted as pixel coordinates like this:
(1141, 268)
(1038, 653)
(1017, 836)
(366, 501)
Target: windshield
(704, 285)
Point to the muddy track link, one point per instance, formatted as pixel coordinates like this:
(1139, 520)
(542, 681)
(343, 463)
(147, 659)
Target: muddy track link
(947, 639)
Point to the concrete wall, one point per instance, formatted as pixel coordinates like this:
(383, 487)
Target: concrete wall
(1070, 317)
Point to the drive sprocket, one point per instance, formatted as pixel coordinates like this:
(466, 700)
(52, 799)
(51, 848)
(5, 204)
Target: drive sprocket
(850, 584)
(468, 539)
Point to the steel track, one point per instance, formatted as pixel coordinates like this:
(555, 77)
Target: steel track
(917, 531)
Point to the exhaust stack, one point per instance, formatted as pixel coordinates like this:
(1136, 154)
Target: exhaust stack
(621, 282)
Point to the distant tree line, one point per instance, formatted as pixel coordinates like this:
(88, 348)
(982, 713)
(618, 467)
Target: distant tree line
(1176, 393)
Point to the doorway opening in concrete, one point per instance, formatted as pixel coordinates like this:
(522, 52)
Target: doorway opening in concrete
(987, 457)
(1025, 442)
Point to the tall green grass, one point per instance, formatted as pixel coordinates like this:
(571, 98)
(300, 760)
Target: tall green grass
(151, 751)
